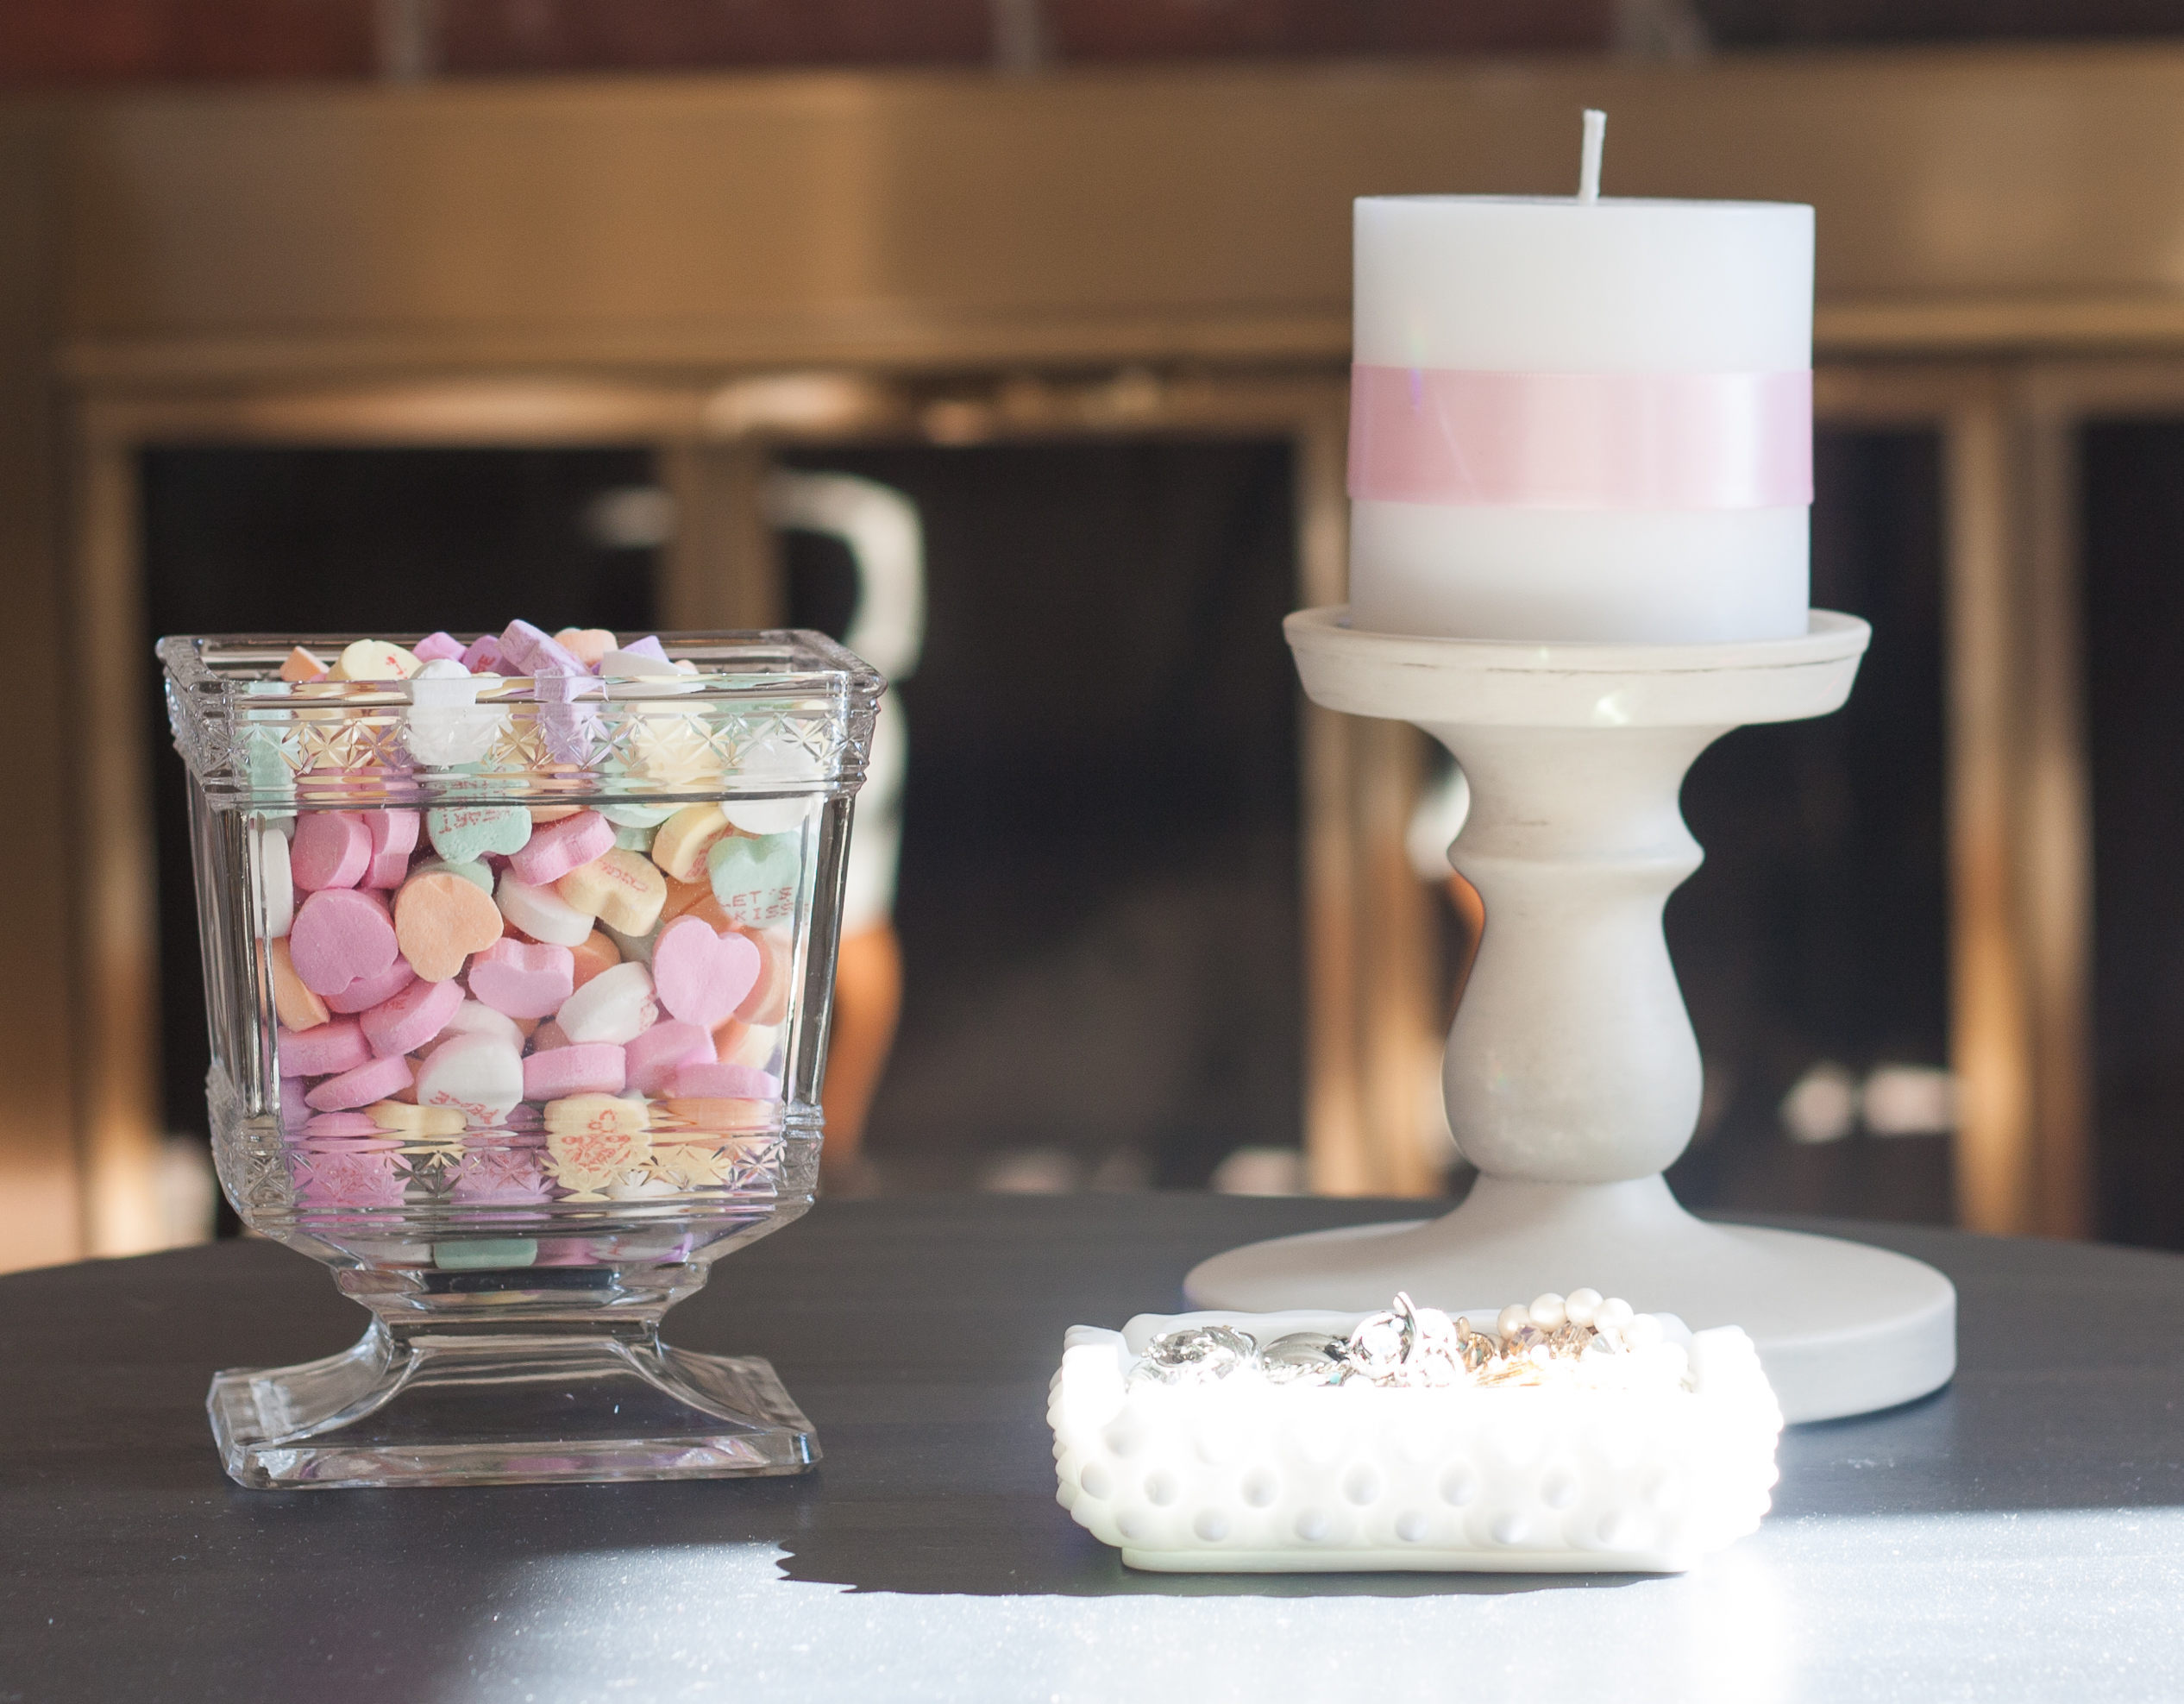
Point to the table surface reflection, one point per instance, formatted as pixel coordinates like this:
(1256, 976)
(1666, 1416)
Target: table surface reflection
(2019, 1534)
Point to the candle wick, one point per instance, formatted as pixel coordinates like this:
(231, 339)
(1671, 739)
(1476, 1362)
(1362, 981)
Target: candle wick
(1596, 130)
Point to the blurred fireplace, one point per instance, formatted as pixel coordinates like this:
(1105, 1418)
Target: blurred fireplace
(714, 275)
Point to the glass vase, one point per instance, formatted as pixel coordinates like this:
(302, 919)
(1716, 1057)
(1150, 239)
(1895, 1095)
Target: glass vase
(518, 1151)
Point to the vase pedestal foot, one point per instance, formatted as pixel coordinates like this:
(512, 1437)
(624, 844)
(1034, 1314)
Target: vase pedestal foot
(1841, 1328)
(415, 1404)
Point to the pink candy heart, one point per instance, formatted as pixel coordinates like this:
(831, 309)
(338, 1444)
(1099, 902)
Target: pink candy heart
(333, 849)
(700, 976)
(367, 992)
(375, 1080)
(724, 1081)
(393, 835)
(340, 936)
(413, 1017)
(659, 1052)
(587, 1068)
(522, 980)
(556, 848)
(323, 1050)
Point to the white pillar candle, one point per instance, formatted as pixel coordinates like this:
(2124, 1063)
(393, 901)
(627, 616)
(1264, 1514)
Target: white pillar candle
(1581, 420)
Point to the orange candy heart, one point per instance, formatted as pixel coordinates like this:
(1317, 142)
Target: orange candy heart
(440, 920)
(299, 1008)
(593, 955)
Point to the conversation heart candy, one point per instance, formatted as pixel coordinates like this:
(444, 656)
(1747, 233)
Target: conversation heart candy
(437, 648)
(401, 1118)
(785, 762)
(756, 880)
(275, 891)
(636, 674)
(341, 1125)
(465, 833)
(680, 846)
(695, 899)
(374, 1080)
(595, 953)
(631, 839)
(522, 980)
(590, 1138)
(586, 645)
(475, 1017)
(697, 1113)
(556, 848)
(479, 1075)
(333, 1046)
(541, 913)
(736, 1042)
(519, 644)
(477, 874)
(340, 936)
(767, 1001)
(723, 1082)
(547, 1036)
(374, 660)
(703, 976)
(655, 1056)
(300, 665)
(394, 837)
(446, 726)
(294, 1113)
(616, 1005)
(297, 1006)
(584, 1068)
(626, 815)
(769, 816)
(553, 814)
(367, 992)
(622, 888)
(440, 920)
(413, 1017)
(482, 655)
(333, 849)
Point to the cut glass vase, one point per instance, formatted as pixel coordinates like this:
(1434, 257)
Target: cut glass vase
(518, 1244)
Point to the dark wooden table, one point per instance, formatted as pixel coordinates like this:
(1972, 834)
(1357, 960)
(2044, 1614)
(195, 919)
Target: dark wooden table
(2018, 1535)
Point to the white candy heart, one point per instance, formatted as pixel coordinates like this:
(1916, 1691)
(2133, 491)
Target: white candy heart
(479, 1074)
(475, 1017)
(541, 913)
(616, 1005)
(767, 816)
(446, 725)
(276, 907)
(634, 675)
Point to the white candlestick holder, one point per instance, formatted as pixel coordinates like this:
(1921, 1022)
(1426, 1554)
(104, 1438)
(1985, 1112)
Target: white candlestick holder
(1573, 1075)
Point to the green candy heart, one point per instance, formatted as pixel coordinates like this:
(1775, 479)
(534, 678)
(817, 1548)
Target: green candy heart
(465, 833)
(633, 839)
(756, 879)
(484, 1253)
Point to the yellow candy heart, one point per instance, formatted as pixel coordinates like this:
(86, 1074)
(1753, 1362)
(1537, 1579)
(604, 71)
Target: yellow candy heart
(620, 888)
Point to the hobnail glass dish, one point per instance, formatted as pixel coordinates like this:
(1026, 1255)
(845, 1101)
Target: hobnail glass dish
(516, 1270)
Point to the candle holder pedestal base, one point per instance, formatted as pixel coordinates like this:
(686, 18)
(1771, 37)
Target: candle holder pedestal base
(1573, 1076)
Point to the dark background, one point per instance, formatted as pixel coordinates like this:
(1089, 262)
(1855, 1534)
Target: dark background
(46, 43)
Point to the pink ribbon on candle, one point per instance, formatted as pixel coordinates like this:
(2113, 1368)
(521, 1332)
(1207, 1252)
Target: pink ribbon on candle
(1581, 440)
